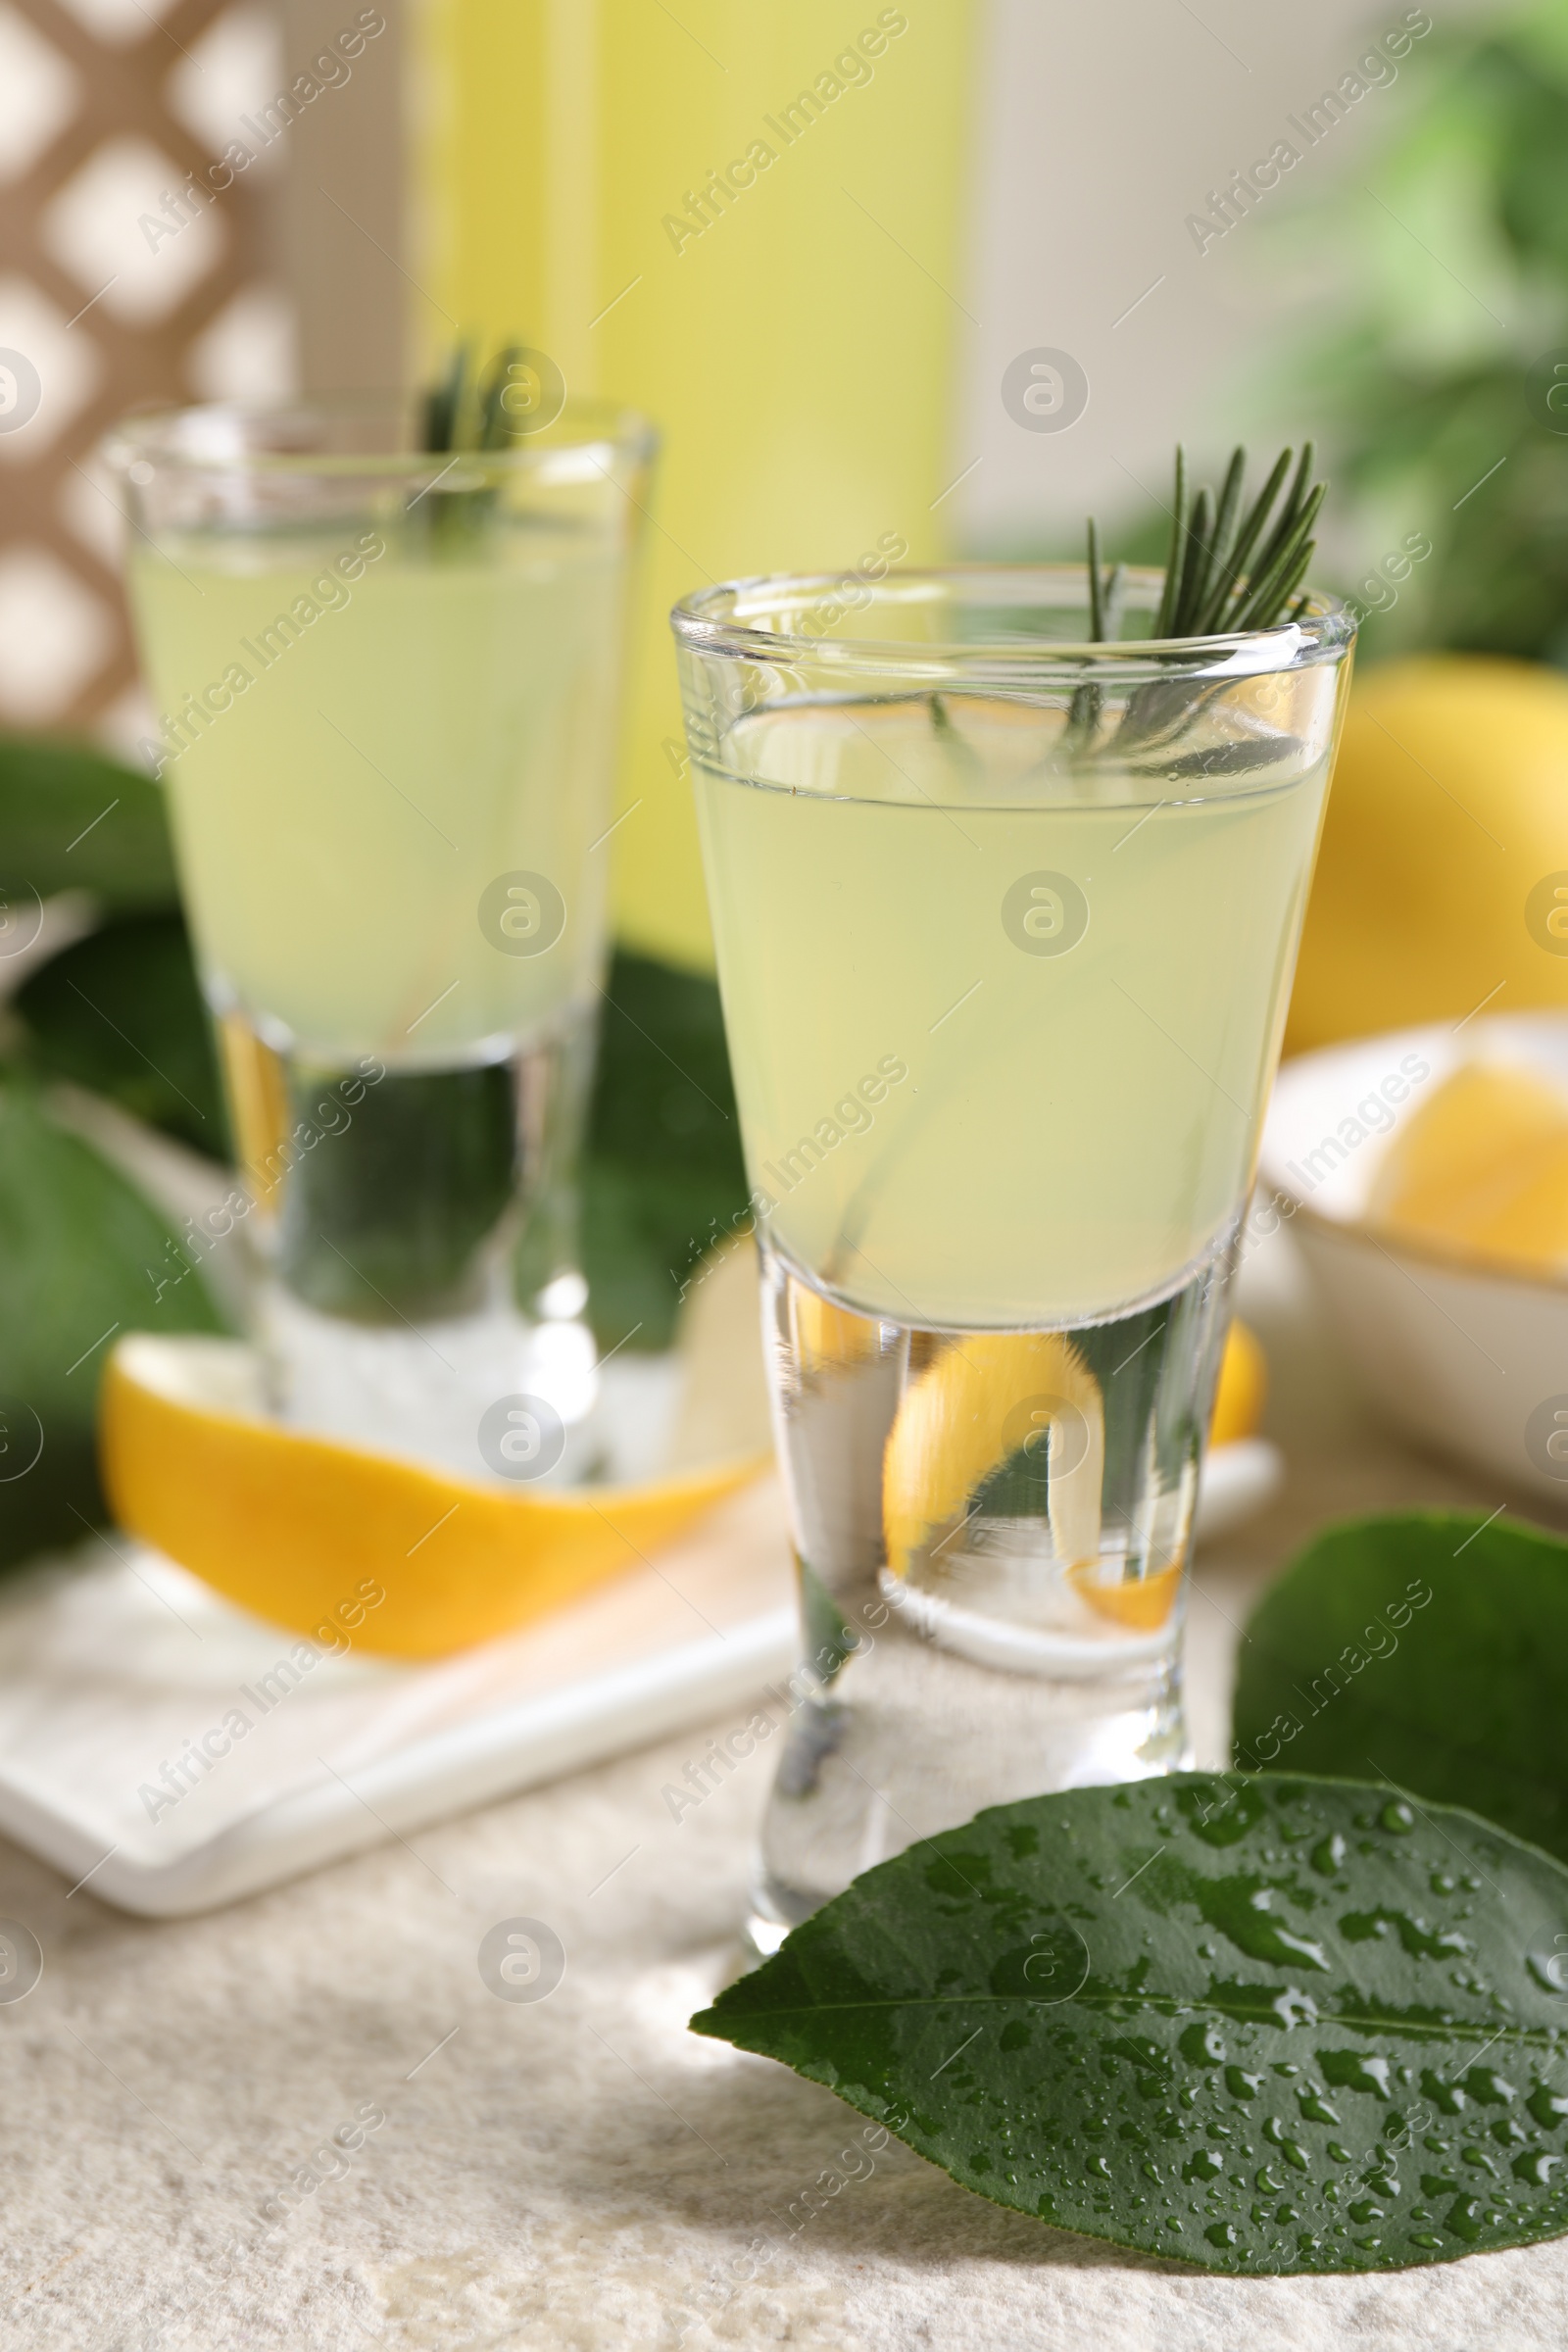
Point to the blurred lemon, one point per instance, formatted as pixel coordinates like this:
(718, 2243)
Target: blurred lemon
(1446, 833)
(1241, 1389)
(1482, 1168)
(302, 1529)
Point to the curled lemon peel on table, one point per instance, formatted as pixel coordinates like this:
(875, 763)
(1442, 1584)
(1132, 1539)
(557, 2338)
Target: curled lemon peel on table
(293, 1526)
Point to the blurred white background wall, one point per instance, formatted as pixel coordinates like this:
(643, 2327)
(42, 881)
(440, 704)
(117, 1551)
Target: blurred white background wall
(1102, 129)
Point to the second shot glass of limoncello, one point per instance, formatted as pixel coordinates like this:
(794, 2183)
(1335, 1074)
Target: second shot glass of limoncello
(1006, 923)
(388, 685)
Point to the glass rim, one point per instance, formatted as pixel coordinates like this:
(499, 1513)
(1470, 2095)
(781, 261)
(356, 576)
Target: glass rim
(169, 435)
(710, 621)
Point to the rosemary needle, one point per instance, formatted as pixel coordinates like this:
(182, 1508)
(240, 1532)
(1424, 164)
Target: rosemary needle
(1232, 568)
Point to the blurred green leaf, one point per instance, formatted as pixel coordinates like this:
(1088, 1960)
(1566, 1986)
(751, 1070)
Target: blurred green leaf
(71, 820)
(664, 1178)
(1344, 1664)
(1451, 283)
(1440, 266)
(83, 1255)
(122, 1014)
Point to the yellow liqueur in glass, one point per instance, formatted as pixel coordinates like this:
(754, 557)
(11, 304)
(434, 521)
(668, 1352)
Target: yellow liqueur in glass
(1051, 1145)
(405, 724)
(1005, 917)
(389, 686)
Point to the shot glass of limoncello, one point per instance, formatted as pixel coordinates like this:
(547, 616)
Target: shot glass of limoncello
(387, 683)
(1006, 910)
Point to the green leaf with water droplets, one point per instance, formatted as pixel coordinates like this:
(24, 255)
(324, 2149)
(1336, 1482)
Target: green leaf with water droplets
(1267, 2025)
(1428, 1648)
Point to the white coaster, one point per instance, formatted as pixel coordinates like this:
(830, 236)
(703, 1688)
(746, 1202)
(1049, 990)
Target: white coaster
(172, 1753)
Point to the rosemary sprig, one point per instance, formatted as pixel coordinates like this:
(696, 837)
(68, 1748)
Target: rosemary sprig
(1165, 616)
(1198, 556)
(1096, 597)
(443, 405)
(495, 427)
(1256, 518)
(1229, 572)
(1104, 613)
(1215, 585)
(465, 409)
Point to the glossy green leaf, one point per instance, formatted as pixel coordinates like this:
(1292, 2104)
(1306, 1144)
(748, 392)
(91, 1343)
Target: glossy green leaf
(83, 1259)
(120, 1012)
(1428, 1648)
(71, 820)
(1261, 2024)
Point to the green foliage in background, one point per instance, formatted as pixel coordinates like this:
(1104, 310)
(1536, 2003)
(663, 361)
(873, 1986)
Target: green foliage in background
(119, 1014)
(81, 1250)
(71, 820)
(80, 1254)
(1427, 371)
(1422, 369)
(665, 1179)
(1429, 1647)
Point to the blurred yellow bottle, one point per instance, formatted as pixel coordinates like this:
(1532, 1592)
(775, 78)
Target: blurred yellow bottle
(749, 222)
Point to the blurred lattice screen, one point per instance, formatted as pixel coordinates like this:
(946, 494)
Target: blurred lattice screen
(104, 107)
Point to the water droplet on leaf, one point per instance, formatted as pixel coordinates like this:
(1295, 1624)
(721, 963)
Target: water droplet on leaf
(1463, 2218)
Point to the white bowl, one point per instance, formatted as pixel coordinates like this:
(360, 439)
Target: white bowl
(1462, 1354)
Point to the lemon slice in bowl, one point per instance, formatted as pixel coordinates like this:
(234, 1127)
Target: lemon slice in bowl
(299, 1528)
(1481, 1171)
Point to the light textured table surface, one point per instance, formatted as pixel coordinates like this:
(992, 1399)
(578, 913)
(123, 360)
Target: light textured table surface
(581, 2172)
